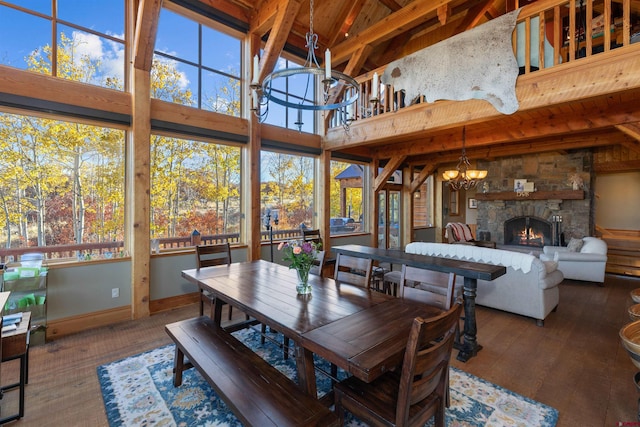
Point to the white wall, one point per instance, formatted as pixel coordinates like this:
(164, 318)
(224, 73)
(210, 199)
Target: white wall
(617, 201)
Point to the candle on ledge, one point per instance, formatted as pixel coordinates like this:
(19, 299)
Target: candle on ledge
(375, 86)
(254, 79)
(327, 64)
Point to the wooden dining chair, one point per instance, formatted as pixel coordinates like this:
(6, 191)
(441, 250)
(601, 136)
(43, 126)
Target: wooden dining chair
(353, 270)
(412, 394)
(312, 235)
(209, 256)
(318, 263)
(428, 286)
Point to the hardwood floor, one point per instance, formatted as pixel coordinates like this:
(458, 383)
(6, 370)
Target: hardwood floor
(574, 363)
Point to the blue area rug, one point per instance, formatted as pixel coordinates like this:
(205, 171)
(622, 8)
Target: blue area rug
(139, 391)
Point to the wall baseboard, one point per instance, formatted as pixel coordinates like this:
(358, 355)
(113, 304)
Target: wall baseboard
(70, 325)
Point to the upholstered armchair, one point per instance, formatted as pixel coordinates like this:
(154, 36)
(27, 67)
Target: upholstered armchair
(583, 259)
(460, 233)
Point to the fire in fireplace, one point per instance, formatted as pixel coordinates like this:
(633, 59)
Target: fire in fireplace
(527, 231)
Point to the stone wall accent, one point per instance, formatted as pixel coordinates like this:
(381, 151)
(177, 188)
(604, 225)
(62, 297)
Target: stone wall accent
(549, 171)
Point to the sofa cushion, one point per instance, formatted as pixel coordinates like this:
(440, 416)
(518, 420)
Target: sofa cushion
(575, 245)
(593, 245)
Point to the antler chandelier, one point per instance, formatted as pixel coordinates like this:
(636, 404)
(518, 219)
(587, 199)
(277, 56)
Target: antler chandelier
(463, 177)
(331, 79)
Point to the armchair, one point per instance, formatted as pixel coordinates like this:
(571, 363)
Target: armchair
(583, 259)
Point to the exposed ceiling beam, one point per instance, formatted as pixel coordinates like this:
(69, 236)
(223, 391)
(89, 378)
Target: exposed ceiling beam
(145, 33)
(284, 18)
(389, 169)
(396, 23)
(348, 13)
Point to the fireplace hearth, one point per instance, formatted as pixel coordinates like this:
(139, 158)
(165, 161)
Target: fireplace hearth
(527, 231)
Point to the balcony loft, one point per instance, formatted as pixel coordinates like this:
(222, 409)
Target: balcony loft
(583, 96)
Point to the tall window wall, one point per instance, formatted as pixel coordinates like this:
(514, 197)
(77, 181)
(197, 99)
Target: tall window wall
(61, 183)
(75, 40)
(196, 65)
(287, 187)
(195, 185)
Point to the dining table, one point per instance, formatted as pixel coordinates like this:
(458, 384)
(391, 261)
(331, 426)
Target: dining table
(360, 330)
(470, 270)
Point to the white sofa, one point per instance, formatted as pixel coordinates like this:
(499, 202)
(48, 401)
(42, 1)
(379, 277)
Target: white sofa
(588, 263)
(529, 288)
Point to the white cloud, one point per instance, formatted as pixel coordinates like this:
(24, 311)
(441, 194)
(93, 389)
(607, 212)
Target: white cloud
(88, 45)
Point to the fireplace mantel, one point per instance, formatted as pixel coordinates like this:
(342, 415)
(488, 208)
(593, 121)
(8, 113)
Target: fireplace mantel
(535, 195)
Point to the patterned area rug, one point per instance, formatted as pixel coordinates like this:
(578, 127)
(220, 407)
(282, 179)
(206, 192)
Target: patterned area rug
(138, 391)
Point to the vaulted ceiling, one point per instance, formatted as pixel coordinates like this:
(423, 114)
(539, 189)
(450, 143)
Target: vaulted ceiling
(366, 34)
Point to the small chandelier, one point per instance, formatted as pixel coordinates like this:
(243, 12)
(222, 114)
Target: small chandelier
(462, 176)
(331, 79)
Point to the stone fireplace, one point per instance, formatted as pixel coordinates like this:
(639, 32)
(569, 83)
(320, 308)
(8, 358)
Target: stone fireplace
(550, 207)
(528, 231)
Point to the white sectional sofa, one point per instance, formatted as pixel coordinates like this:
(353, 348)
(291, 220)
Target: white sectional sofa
(529, 288)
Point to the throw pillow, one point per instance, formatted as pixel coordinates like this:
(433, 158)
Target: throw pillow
(550, 266)
(575, 245)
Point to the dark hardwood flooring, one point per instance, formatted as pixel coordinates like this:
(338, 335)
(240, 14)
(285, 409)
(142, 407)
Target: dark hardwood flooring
(574, 363)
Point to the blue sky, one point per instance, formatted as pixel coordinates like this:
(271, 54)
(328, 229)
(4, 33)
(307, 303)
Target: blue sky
(23, 32)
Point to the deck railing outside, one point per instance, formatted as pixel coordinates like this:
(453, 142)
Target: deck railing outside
(548, 34)
(112, 250)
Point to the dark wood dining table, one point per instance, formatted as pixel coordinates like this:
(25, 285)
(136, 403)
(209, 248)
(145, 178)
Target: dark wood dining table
(361, 331)
(471, 271)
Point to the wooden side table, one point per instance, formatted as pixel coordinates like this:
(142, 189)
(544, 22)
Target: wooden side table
(15, 345)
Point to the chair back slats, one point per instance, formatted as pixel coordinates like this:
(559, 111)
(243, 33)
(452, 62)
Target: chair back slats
(428, 286)
(353, 270)
(318, 263)
(425, 366)
(212, 255)
(312, 235)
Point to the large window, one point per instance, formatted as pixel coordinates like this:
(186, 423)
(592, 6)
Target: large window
(196, 65)
(287, 189)
(347, 207)
(61, 183)
(89, 43)
(194, 186)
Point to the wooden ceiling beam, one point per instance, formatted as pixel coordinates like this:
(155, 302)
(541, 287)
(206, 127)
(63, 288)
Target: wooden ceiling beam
(424, 173)
(474, 16)
(631, 129)
(146, 30)
(348, 14)
(572, 142)
(392, 165)
(264, 18)
(241, 11)
(284, 18)
(413, 14)
(392, 5)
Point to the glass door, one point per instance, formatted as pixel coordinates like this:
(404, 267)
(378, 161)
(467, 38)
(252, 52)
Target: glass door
(389, 219)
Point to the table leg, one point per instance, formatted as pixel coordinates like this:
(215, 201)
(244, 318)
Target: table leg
(217, 313)
(306, 370)
(470, 345)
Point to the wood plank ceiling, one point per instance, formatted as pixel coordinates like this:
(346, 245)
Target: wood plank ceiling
(366, 34)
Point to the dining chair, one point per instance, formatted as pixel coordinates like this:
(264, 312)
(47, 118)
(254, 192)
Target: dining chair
(311, 235)
(318, 263)
(431, 287)
(416, 391)
(353, 270)
(209, 256)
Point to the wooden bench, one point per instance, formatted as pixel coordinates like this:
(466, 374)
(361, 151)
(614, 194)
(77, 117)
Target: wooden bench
(256, 392)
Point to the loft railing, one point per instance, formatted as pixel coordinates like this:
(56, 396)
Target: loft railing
(548, 34)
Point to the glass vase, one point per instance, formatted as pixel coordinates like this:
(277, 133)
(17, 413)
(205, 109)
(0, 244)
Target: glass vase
(303, 286)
